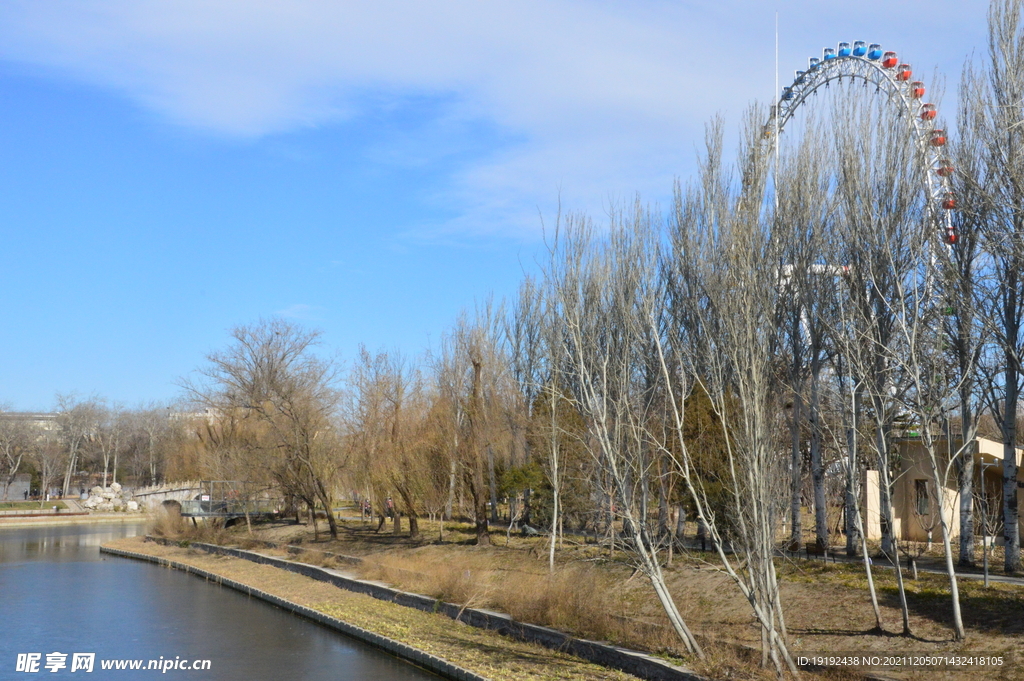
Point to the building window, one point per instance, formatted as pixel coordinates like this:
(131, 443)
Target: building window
(923, 502)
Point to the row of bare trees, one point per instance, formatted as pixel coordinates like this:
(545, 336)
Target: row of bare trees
(87, 438)
(804, 309)
(768, 345)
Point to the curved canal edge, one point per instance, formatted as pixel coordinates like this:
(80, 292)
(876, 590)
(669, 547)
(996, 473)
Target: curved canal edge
(408, 653)
(633, 662)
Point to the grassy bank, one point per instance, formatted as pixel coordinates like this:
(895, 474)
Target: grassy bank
(31, 505)
(595, 594)
(57, 520)
(480, 651)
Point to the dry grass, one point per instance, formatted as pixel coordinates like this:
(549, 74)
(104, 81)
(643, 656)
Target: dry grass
(578, 598)
(593, 594)
(481, 651)
(167, 523)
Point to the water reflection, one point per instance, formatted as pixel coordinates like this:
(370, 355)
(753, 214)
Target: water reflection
(62, 542)
(65, 596)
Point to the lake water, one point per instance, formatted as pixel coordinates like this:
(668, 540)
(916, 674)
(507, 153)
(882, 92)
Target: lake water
(59, 594)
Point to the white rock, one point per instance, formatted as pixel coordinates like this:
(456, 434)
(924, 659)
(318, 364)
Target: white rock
(115, 487)
(96, 491)
(105, 507)
(133, 506)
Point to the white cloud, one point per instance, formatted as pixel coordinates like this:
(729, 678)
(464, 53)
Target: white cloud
(302, 311)
(607, 98)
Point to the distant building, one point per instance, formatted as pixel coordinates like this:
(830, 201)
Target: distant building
(43, 421)
(915, 501)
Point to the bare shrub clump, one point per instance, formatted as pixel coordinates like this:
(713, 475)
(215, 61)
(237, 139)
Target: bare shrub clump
(577, 598)
(572, 597)
(167, 523)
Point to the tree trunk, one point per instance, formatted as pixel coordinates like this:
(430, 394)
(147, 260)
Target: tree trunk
(796, 526)
(663, 513)
(817, 465)
(555, 517)
(884, 487)
(451, 485)
(965, 478)
(325, 499)
(947, 550)
(1011, 520)
(491, 484)
(853, 526)
(483, 536)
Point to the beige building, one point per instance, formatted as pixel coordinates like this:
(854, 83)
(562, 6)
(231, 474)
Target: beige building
(915, 501)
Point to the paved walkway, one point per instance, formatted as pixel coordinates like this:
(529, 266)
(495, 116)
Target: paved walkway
(74, 506)
(929, 566)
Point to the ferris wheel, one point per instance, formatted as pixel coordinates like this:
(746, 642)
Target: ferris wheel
(889, 75)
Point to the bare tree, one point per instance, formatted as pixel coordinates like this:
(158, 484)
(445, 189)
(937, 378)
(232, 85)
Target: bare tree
(535, 339)
(803, 215)
(77, 421)
(476, 392)
(271, 375)
(932, 381)
(49, 457)
(17, 441)
(882, 200)
(605, 295)
(964, 324)
(392, 432)
(996, 99)
(725, 337)
(111, 436)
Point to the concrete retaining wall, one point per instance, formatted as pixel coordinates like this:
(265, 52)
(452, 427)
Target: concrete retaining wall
(408, 653)
(631, 661)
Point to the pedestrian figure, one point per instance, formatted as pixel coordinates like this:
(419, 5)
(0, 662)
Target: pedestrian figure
(390, 508)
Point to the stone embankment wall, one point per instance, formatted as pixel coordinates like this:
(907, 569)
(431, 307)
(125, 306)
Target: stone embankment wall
(630, 661)
(400, 650)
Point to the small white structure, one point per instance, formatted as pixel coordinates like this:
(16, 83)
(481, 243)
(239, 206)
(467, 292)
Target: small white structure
(915, 501)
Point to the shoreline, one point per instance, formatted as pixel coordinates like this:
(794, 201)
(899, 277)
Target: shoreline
(53, 520)
(432, 663)
(481, 653)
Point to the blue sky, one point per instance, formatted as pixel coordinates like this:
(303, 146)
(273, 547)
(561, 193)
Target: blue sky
(170, 170)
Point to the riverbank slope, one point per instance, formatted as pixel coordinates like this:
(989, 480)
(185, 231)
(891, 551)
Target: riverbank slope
(56, 519)
(482, 652)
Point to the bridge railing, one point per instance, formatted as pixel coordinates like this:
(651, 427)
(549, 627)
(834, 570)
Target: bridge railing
(229, 507)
